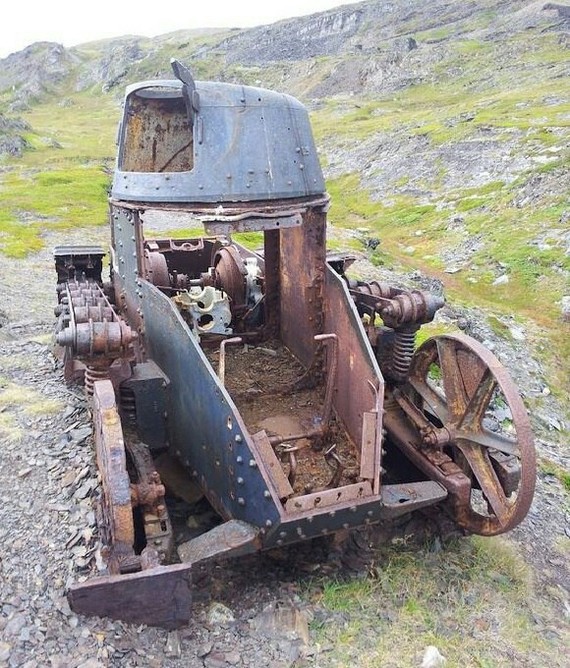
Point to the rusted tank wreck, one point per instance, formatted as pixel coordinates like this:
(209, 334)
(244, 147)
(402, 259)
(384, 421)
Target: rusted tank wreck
(291, 394)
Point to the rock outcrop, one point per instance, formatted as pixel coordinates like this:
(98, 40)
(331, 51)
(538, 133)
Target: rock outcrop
(12, 142)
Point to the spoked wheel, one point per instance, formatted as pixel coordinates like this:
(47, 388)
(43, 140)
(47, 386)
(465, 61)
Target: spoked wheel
(481, 423)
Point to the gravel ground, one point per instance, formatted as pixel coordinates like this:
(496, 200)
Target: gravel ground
(245, 614)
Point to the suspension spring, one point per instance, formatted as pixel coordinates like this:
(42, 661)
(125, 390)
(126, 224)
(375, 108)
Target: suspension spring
(402, 352)
(128, 403)
(93, 374)
(376, 289)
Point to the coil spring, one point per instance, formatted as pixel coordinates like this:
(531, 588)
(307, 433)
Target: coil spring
(93, 374)
(376, 289)
(402, 352)
(128, 403)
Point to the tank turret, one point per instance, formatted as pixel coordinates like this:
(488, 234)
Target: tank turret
(194, 141)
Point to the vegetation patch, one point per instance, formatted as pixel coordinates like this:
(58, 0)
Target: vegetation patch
(16, 398)
(474, 601)
(56, 199)
(411, 233)
(435, 328)
(549, 467)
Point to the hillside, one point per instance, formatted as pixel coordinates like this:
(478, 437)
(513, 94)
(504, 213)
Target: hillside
(443, 129)
(444, 133)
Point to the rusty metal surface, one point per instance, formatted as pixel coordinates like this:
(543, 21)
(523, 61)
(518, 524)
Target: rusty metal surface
(370, 453)
(250, 224)
(222, 358)
(329, 497)
(278, 481)
(156, 270)
(360, 384)
(118, 532)
(205, 212)
(410, 496)
(78, 262)
(230, 539)
(241, 144)
(148, 493)
(272, 308)
(148, 387)
(402, 313)
(302, 265)
(349, 513)
(159, 596)
(138, 589)
(206, 432)
(239, 159)
(436, 465)
(127, 258)
(157, 137)
(105, 335)
(331, 343)
(395, 306)
(230, 273)
(456, 408)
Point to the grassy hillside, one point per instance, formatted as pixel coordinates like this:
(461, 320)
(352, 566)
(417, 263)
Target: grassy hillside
(452, 149)
(62, 181)
(466, 178)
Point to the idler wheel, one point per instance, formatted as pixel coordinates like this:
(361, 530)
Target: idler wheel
(231, 274)
(462, 389)
(157, 269)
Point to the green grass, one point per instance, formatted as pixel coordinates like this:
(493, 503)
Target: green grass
(466, 92)
(563, 476)
(538, 272)
(77, 195)
(499, 327)
(31, 203)
(474, 601)
(435, 110)
(58, 188)
(435, 328)
(85, 129)
(14, 397)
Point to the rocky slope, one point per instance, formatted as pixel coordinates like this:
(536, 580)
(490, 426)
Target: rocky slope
(12, 142)
(355, 41)
(443, 129)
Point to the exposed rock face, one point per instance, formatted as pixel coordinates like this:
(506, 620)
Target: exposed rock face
(11, 141)
(373, 47)
(370, 47)
(563, 10)
(9, 125)
(318, 35)
(35, 71)
(111, 68)
(374, 27)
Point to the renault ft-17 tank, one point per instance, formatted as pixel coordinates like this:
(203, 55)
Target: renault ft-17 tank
(289, 394)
